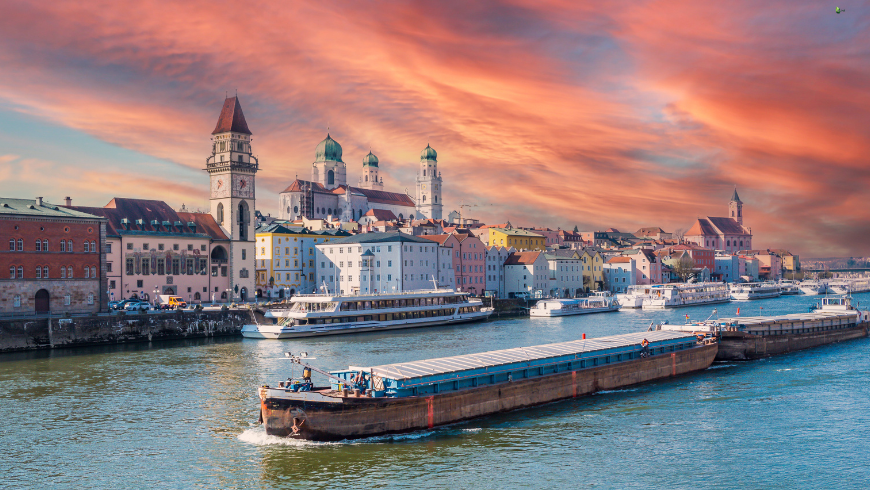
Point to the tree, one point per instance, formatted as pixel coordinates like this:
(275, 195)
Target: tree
(576, 230)
(685, 267)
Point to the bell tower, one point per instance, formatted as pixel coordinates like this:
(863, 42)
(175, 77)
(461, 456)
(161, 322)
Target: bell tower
(369, 177)
(735, 208)
(231, 168)
(429, 203)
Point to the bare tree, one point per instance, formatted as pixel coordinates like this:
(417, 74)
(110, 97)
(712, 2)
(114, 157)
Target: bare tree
(685, 267)
(678, 234)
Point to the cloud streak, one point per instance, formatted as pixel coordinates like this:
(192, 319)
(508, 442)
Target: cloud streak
(559, 113)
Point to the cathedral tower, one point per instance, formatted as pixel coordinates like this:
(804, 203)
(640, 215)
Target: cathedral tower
(231, 168)
(735, 207)
(429, 203)
(369, 178)
(328, 169)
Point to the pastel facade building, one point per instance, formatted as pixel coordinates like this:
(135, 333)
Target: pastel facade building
(647, 266)
(566, 275)
(495, 278)
(593, 270)
(52, 259)
(516, 238)
(469, 260)
(728, 267)
(619, 273)
(526, 273)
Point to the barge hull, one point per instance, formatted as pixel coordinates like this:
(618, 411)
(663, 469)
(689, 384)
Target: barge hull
(739, 346)
(351, 417)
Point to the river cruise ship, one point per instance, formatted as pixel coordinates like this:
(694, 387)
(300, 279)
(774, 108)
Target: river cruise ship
(677, 295)
(600, 302)
(634, 296)
(813, 288)
(755, 290)
(849, 286)
(312, 315)
(423, 394)
(787, 288)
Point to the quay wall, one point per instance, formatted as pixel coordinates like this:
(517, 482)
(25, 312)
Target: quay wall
(740, 346)
(24, 334)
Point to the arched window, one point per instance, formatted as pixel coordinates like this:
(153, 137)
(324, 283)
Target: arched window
(436, 199)
(87, 249)
(45, 245)
(244, 220)
(220, 213)
(330, 178)
(93, 246)
(63, 272)
(401, 216)
(87, 273)
(17, 301)
(330, 211)
(424, 172)
(732, 213)
(20, 272)
(69, 274)
(11, 272)
(45, 272)
(11, 244)
(295, 209)
(196, 295)
(63, 245)
(69, 246)
(94, 272)
(38, 246)
(20, 245)
(91, 298)
(367, 178)
(38, 272)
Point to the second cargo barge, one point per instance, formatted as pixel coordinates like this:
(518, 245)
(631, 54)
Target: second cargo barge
(420, 395)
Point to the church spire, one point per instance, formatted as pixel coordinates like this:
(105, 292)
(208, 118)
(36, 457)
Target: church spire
(735, 197)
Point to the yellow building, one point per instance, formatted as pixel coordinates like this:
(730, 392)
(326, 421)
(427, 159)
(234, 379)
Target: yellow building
(593, 269)
(285, 259)
(519, 239)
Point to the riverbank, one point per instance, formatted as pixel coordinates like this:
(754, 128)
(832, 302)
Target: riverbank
(27, 334)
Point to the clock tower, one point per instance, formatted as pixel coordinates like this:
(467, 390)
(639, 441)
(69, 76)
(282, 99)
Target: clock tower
(231, 168)
(429, 203)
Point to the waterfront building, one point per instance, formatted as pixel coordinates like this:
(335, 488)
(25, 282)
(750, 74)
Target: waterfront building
(516, 238)
(551, 237)
(593, 271)
(376, 262)
(151, 249)
(448, 255)
(769, 264)
(653, 233)
(285, 259)
(720, 233)
(790, 262)
(328, 193)
(52, 259)
(751, 269)
(619, 273)
(648, 266)
(526, 273)
(469, 261)
(495, 279)
(728, 267)
(566, 274)
(570, 239)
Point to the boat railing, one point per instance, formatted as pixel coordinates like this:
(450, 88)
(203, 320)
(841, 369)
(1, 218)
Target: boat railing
(381, 293)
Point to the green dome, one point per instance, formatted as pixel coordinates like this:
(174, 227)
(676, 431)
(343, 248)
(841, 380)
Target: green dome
(328, 150)
(370, 160)
(428, 153)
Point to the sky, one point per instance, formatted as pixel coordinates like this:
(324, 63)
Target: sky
(618, 114)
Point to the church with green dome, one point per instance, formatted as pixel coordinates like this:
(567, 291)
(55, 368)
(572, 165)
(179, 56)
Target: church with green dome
(328, 194)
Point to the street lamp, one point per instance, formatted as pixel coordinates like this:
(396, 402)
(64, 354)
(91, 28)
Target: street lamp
(155, 295)
(229, 292)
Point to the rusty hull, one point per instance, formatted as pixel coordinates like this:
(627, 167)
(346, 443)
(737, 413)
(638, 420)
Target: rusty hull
(326, 416)
(740, 346)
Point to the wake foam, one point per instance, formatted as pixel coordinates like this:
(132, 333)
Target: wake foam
(257, 436)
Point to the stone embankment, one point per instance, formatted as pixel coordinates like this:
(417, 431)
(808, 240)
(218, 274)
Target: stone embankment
(25, 334)
(505, 307)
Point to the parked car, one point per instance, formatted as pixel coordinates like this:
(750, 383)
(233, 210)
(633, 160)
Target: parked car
(137, 306)
(120, 305)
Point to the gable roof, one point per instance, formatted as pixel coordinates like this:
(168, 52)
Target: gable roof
(381, 197)
(231, 118)
(648, 231)
(439, 239)
(205, 223)
(522, 258)
(619, 260)
(378, 237)
(142, 213)
(381, 214)
(728, 226)
(701, 227)
(29, 208)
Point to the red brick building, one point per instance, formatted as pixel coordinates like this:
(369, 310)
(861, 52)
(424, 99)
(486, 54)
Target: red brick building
(52, 259)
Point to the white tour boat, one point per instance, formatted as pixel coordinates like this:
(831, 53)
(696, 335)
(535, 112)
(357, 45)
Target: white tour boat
(689, 294)
(601, 301)
(789, 288)
(312, 315)
(634, 296)
(813, 287)
(850, 286)
(755, 290)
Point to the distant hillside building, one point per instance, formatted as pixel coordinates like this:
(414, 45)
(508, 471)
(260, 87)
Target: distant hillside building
(726, 233)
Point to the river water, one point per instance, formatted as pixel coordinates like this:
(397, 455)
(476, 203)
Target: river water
(182, 415)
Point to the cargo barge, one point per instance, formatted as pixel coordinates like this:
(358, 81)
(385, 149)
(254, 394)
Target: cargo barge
(421, 395)
(745, 338)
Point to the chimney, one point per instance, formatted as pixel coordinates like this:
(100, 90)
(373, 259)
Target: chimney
(68, 200)
(39, 201)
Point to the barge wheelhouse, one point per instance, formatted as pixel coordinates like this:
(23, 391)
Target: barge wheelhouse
(312, 315)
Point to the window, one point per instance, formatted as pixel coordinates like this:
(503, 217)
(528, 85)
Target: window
(16, 302)
(45, 272)
(11, 272)
(202, 248)
(87, 273)
(87, 249)
(38, 272)
(20, 245)
(20, 272)
(190, 247)
(174, 246)
(244, 254)
(129, 267)
(111, 284)
(38, 245)
(67, 300)
(91, 298)
(139, 283)
(94, 272)
(69, 272)
(12, 245)
(129, 246)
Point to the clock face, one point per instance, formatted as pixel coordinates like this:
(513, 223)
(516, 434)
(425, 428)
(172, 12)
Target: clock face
(424, 187)
(243, 186)
(220, 186)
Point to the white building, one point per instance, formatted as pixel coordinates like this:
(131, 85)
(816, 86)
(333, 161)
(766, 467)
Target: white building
(566, 275)
(619, 273)
(728, 267)
(495, 259)
(377, 262)
(526, 272)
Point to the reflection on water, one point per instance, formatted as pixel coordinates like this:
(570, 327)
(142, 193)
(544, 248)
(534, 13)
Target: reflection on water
(181, 415)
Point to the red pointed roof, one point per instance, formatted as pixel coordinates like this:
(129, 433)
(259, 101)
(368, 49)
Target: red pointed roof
(232, 118)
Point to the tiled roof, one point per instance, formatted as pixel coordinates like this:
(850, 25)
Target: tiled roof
(205, 223)
(619, 260)
(440, 239)
(231, 118)
(383, 197)
(376, 237)
(701, 228)
(517, 232)
(522, 258)
(296, 186)
(381, 214)
(28, 207)
(649, 231)
(728, 226)
(134, 210)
